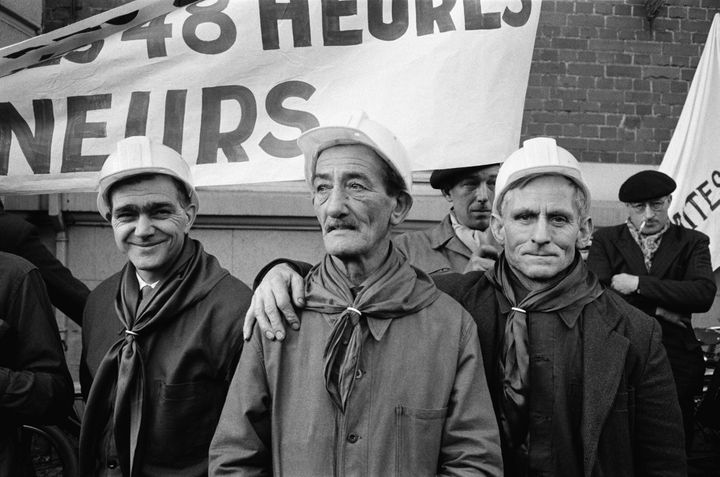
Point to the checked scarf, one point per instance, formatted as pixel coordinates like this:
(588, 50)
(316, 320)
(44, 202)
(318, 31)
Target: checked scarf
(392, 291)
(122, 369)
(570, 293)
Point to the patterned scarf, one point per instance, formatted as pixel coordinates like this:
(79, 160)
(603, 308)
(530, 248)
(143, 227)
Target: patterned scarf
(122, 369)
(392, 291)
(472, 238)
(570, 293)
(648, 243)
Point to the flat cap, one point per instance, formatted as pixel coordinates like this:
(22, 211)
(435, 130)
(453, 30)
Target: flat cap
(447, 178)
(646, 185)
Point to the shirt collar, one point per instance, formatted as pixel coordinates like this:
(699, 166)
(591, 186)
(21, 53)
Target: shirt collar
(142, 283)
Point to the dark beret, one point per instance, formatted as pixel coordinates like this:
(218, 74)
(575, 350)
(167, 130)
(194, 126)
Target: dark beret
(447, 178)
(646, 185)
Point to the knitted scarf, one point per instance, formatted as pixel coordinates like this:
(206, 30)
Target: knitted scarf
(392, 291)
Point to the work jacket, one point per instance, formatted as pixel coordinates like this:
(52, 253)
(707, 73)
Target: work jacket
(189, 362)
(419, 404)
(631, 424)
(35, 385)
(436, 249)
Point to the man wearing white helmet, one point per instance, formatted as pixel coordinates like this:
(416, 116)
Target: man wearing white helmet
(161, 338)
(386, 375)
(580, 382)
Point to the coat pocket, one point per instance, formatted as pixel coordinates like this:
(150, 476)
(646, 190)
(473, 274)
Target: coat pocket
(184, 419)
(418, 440)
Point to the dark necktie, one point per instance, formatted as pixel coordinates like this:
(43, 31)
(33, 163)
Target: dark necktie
(145, 295)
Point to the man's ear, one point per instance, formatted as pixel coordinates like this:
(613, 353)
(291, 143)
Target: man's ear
(585, 233)
(497, 225)
(446, 194)
(403, 204)
(190, 213)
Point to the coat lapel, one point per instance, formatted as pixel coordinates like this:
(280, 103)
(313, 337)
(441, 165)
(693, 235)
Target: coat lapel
(630, 251)
(444, 235)
(670, 246)
(604, 356)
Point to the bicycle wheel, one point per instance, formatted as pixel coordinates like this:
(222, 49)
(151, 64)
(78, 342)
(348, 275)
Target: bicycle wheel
(52, 451)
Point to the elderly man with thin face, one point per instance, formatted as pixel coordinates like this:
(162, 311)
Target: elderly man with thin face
(662, 269)
(385, 377)
(580, 381)
(161, 338)
(462, 241)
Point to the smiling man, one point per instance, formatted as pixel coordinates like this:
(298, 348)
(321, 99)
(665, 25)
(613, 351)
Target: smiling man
(162, 337)
(662, 269)
(385, 377)
(580, 382)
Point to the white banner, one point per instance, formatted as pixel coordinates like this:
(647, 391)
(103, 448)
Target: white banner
(232, 84)
(693, 155)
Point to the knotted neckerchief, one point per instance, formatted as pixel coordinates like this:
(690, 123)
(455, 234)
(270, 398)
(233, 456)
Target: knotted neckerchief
(122, 368)
(570, 293)
(392, 291)
(648, 243)
(472, 238)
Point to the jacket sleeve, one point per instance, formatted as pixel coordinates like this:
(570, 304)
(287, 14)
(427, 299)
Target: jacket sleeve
(658, 421)
(471, 441)
(35, 385)
(241, 444)
(694, 293)
(301, 268)
(598, 260)
(66, 292)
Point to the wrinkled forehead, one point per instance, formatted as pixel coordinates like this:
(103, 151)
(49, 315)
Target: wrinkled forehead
(534, 191)
(349, 158)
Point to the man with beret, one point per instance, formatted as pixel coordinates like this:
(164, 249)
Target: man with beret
(162, 337)
(662, 269)
(462, 241)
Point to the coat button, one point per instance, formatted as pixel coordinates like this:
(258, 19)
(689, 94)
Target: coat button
(359, 374)
(352, 438)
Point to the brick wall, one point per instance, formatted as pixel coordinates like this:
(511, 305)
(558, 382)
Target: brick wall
(608, 86)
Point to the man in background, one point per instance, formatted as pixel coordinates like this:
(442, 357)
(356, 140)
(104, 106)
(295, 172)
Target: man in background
(662, 269)
(462, 241)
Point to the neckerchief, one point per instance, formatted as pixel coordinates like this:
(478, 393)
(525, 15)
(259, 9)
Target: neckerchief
(122, 369)
(648, 243)
(568, 294)
(392, 291)
(471, 238)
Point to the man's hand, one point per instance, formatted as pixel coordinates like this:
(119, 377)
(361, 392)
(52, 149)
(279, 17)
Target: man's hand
(272, 302)
(624, 283)
(482, 260)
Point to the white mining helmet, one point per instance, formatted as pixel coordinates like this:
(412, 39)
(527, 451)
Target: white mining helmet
(138, 155)
(359, 129)
(537, 156)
